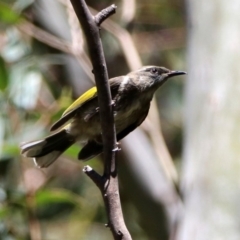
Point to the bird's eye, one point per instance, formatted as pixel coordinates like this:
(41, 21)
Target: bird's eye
(154, 70)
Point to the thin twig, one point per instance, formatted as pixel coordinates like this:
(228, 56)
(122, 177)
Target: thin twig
(109, 183)
(96, 178)
(104, 14)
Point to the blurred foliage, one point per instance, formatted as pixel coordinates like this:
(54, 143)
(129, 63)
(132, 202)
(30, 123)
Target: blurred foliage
(37, 82)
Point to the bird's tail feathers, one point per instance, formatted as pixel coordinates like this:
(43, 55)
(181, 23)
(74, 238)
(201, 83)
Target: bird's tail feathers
(46, 151)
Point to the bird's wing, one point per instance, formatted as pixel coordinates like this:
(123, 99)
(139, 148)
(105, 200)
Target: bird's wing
(83, 99)
(133, 126)
(86, 97)
(72, 109)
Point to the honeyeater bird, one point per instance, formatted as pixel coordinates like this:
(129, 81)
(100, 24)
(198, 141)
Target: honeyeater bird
(131, 95)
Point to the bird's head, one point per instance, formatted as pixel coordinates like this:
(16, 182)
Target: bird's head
(149, 77)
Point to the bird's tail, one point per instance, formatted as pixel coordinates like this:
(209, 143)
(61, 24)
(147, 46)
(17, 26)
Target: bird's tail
(46, 151)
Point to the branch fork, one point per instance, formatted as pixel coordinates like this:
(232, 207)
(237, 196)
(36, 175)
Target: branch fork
(108, 183)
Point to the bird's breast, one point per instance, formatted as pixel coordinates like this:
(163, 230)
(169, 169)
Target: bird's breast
(131, 111)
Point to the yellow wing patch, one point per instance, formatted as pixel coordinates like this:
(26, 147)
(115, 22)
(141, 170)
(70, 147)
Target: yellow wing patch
(91, 93)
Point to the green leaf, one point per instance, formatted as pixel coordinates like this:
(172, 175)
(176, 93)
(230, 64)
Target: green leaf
(10, 150)
(3, 74)
(4, 212)
(7, 15)
(56, 196)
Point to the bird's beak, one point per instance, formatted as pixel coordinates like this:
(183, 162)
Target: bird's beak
(176, 73)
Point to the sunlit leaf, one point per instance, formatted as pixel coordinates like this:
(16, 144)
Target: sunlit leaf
(25, 87)
(10, 149)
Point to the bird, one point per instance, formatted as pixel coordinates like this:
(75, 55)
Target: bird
(80, 122)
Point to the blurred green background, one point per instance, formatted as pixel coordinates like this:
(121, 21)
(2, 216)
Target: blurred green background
(44, 65)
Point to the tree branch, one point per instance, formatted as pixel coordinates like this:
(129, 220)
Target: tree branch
(108, 183)
(104, 14)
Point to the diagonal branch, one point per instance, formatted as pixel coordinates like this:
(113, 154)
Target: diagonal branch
(108, 183)
(104, 14)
